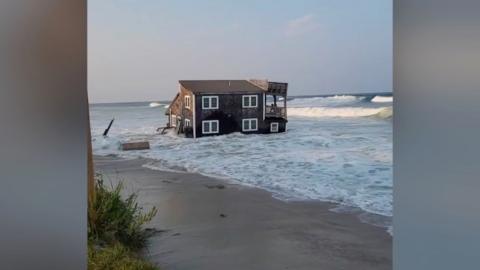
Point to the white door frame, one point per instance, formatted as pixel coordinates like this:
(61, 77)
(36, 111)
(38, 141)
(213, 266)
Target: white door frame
(271, 127)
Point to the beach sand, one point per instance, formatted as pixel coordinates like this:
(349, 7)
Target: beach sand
(208, 223)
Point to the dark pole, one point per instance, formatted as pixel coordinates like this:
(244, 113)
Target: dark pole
(108, 128)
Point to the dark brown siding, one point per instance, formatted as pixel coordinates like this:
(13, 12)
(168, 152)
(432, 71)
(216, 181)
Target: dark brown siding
(230, 113)
(282, 124)
(178, 106)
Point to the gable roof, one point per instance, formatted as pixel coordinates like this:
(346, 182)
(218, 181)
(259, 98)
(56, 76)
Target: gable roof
(220, 86)
(167, 111)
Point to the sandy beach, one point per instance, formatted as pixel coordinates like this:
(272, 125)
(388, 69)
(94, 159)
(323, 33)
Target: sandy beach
(208, 223)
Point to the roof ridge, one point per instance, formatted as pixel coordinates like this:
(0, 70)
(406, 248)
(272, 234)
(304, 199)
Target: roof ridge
(225, 86)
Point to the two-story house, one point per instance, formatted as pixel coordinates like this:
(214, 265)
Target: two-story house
(213, 107)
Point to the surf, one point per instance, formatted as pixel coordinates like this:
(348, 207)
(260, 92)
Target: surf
(155, 104)
(338, 112)
(382, 99)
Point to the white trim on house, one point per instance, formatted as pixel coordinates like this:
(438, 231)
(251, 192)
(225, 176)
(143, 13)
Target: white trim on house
(274, 127)
(210, 129)
(209, 98)
(194, 118)
(188, 123)
(263, 102)
(188, 101)
(173, 120)
(249, 121)
(249, 99)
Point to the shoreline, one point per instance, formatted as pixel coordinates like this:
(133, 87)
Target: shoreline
(374, 219)
(211, 223)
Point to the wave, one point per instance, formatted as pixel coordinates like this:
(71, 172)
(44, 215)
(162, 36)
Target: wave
(337, 100)
(155, 104)
(381, 99)
(348, 97)
(382, 112)
(387, 112)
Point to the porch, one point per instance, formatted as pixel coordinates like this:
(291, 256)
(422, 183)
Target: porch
(276, 100)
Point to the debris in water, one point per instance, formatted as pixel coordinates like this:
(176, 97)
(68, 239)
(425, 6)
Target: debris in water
(105, 133)
(135, 146)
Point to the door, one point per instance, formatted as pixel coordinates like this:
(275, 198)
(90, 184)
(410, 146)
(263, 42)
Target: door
(274, 127)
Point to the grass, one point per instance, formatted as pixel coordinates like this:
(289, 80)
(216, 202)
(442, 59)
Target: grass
(116, 229)
(115, 257)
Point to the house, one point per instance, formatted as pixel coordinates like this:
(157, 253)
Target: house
(214, 107)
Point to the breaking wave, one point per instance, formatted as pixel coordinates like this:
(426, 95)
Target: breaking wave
(345, 97)
(387, 112)
(381, 99)
(155, 104)
(339, 100)
(382, 112)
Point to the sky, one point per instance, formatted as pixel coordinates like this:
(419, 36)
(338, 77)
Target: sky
(138, 50)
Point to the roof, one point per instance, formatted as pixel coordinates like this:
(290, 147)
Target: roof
(167, 112)
(220, 86)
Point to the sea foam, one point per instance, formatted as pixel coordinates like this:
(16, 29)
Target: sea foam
(382, 99)
(155, 104)
(335, 112)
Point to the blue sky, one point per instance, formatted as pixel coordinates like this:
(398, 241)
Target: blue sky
(138, 50)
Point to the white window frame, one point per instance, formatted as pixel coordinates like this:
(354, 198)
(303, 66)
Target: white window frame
(209, 102)
(188, 123)
(210, 127)
(250, 120)
(188, 102)
(173, 120)
(250, 97)
(272, 125)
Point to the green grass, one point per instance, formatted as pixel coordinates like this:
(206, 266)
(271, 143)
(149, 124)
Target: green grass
(115, 257)
(116, 229)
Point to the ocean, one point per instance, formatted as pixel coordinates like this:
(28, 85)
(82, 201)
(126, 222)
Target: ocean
(337, 148)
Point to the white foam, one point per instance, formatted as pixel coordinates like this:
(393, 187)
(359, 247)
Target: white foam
(155, 104)
(324, 101)
(335, 111)
(382, 99)
(387, 112)
(344, 97)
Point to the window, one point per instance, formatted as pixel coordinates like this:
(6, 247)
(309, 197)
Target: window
(210, 127)
(187, 123)
(274, 127)
(249, 101)
(249, 124)
(210, 102)
(188, 102)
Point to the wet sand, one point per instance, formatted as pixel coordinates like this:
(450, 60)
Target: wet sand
(208, 223)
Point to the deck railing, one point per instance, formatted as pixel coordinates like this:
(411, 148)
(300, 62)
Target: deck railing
(273, 111)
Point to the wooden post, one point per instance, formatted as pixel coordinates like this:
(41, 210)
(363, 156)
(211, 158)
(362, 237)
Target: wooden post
(105, 133)
(90, 168)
